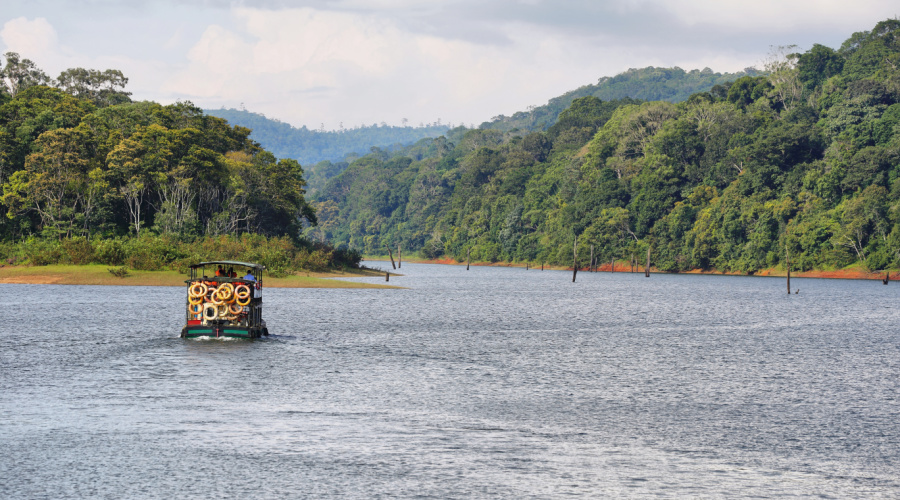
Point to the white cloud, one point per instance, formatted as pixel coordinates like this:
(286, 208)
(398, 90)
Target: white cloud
(34, 40)
(304, 66)
(362, 62)
(777, 15)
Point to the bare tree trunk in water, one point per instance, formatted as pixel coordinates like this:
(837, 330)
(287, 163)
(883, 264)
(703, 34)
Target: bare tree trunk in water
(787, 258)
(391, 255)
(574, 259)
(647, 267)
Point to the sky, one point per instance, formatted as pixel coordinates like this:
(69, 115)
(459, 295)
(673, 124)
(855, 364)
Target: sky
(347, 63)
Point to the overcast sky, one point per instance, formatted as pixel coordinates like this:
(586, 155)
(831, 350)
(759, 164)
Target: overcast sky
(356, 62)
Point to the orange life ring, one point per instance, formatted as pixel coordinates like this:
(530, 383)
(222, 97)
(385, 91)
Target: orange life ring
(242, 302)
(235, 309)
(194, 301)
(242, 291)
(217, 298)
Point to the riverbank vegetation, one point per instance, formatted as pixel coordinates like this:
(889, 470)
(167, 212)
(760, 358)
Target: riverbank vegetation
(88, 176)
(798, 165)
(282, 256)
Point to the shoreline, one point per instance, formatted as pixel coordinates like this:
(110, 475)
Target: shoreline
(95, 274)
(851, 273)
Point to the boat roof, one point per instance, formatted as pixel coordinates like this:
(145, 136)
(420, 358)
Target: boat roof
(228, 263)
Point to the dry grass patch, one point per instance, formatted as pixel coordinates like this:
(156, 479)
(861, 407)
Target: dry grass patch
(100, 275)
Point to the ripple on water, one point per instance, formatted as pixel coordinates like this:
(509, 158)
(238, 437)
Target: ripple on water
(491, 382)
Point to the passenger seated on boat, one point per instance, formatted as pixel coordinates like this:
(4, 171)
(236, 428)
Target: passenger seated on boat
(220, 271)
(249, 276)
(231, 273)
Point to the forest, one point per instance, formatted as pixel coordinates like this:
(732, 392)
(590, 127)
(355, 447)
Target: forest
(310, 147)
(87, 175)
(798, 163)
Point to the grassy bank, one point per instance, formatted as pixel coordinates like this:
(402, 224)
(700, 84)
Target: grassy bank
(93, 274)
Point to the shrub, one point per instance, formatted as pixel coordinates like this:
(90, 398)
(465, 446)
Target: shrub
(79, 251)
(119, 272)
(42, 252)
(316, 260)
(110, 252)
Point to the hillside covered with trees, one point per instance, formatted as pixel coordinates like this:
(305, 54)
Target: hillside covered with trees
(802, 160)
(644, 84)
(314, 146)
(88, 175)
(327, 153)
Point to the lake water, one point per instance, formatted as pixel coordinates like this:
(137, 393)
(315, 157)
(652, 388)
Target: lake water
(496, 382)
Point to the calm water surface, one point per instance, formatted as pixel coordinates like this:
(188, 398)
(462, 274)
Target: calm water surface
(495, 382)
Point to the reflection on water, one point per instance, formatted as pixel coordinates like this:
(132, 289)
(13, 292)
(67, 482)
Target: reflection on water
(491, 382)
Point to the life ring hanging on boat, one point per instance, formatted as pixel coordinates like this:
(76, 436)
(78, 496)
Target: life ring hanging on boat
(242, 291)
(242, 302)
(217, 298)
(196, 311)
(195, 301)
(227, 290)
(235, 309)
(209, 307)
(198, 290)
(222, 310)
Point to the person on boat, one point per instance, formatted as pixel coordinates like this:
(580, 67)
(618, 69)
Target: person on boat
(219, 271)
(249, 276)
(231, 273)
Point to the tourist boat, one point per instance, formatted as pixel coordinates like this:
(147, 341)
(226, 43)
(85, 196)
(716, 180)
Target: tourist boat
(224, 299)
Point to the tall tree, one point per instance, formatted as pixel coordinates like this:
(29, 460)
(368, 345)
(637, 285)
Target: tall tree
(18, 74)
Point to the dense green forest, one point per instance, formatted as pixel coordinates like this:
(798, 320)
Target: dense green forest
(644, 84)
(327, 153)
(80, 161)
(800, 160)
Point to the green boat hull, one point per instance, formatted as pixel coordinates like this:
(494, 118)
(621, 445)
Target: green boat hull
(220, 331)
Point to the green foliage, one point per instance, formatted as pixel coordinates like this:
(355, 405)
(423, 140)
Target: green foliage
(155, 252)
(119, 272)
(629, 87)
(314, 146)
(803, 161)
(90, 177)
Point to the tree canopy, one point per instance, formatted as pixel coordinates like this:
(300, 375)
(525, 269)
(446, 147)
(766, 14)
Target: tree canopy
(802, 159)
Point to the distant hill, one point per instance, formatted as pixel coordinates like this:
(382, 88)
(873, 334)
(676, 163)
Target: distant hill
(325, 154)
(645, 84)
(313, 146)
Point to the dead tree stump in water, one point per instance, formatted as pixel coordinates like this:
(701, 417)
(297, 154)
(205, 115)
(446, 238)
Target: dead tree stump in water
(399, 257)
(647, 267)
(787, 258)
(387, 276)
(591, 265)
(467, 258)
(574, 259)
(391, 255)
